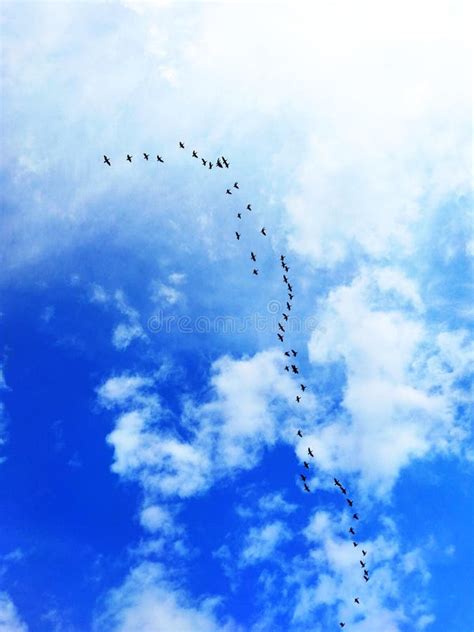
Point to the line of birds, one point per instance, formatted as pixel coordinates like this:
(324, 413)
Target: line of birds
(222, 163)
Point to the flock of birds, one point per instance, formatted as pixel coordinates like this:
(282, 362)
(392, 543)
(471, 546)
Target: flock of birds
(290, 354)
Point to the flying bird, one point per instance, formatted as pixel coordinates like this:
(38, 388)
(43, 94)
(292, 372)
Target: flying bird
(253, 257)
(285, 316)
(289, 287)
(288, 306)
(303, 387)
(281, 328)
(282, 257)
(310, 453)
(355, 516)
(239, 215)
(364, 552)
(237, 235)
(280, 337)
(219, 163)
(299, 433)
(106, 160)
(225, 162)
(255, 271)
(204, 162)
(129, 158)
(159, 158)
(195, 154)
(236, 185)
(263, 231)
(291, 296)
(303, 477)
(366, 578)
(349, 502)
(362, 563)
(181, 145)
(295, 353)
(307, 488)
(351, 530)
(355, 544)
(287, 368)
(287, 268)
(357, 600)
(229, 192)
(343, 490)
(342, 624)
(249, 207)
(306, 465)
(287, 353)
(294, 368)
(210, 164)
(336, 482)
(146, 156)
(285, 280)
(298, 398)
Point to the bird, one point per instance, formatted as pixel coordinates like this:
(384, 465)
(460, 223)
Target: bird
(294, 368)
(298, 398)
(236, 185)
(287, 268)
(204, 162)
(195, 154)
(362, 563)
(351, 530)
(364, 552)
(146, 156)
(287, 368)
(237, 235)
(263, 232)
(303, 477)
(291, 296)
(239, 215)
(342, 624)
(249, 207)
(282, 257)
(229, 192)
(343, 490)
(295, 353)
(366, 573)
(355, 516)
(106, 160)
(285, 316)
(181, 145)
(282, 264)
(349, 502)
(290, 287)
(285, 280)
(355, 544)
(310, 453)
(303, 387)
(299, 433)
(210, 164)
(280, 337)
(307, 488)
(287, 353)
(366, 578)
(281, 328)
(159, 158)
(255, 271)
(219, 163)
(306, 465)
(357, 600)
(225, 162)
(129, 158)
(336, 482)
(253, 257)
(288, 306)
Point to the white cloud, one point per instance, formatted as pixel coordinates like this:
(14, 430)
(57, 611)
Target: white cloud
(155, 518)
(399, 397)
(125, 333)
(146, 602)
(177, 278)
(117, 390)
(261, 542)
(9, 618)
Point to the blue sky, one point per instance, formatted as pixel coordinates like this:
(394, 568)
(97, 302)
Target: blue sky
(149, 462)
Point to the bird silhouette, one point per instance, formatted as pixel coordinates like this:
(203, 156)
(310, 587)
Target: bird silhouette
(225, 162)
(253, 257)
(349, 502)
(306, 465)
(255, 271)
(237, 235)
(307, 488)
(210, 164)
(239, 215)
(146, 156)
(219, 163)
(229, 192)
(249, 207)
(287, 368)
(303, 477)
(195, 154)
(355, 544)
(342, 624)
(181, 145)
(106, 160)
(303, 387)
(362, 563)
(290, 296)
(355, 516)
(287, 353)
(282, 257)
(295, 353)
(280, 337)
(159, 159)
(288, 306)
(281, 328)
(236, 185)
(263, 231)
(129, 158)
(364, 552)
(285, 279)
(357, 600)
(299, 433)
(351, 530)
(285, 316)
(298, 398)
(290, 287)
(294, 368)
(310, 453)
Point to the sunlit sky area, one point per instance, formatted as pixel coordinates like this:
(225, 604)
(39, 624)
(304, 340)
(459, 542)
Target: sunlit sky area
(150, 462)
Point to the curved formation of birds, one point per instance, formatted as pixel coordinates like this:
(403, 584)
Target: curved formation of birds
(222, 163)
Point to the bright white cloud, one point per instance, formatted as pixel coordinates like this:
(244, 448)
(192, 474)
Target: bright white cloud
(146, 602)
(262, 542)
(10, 620)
